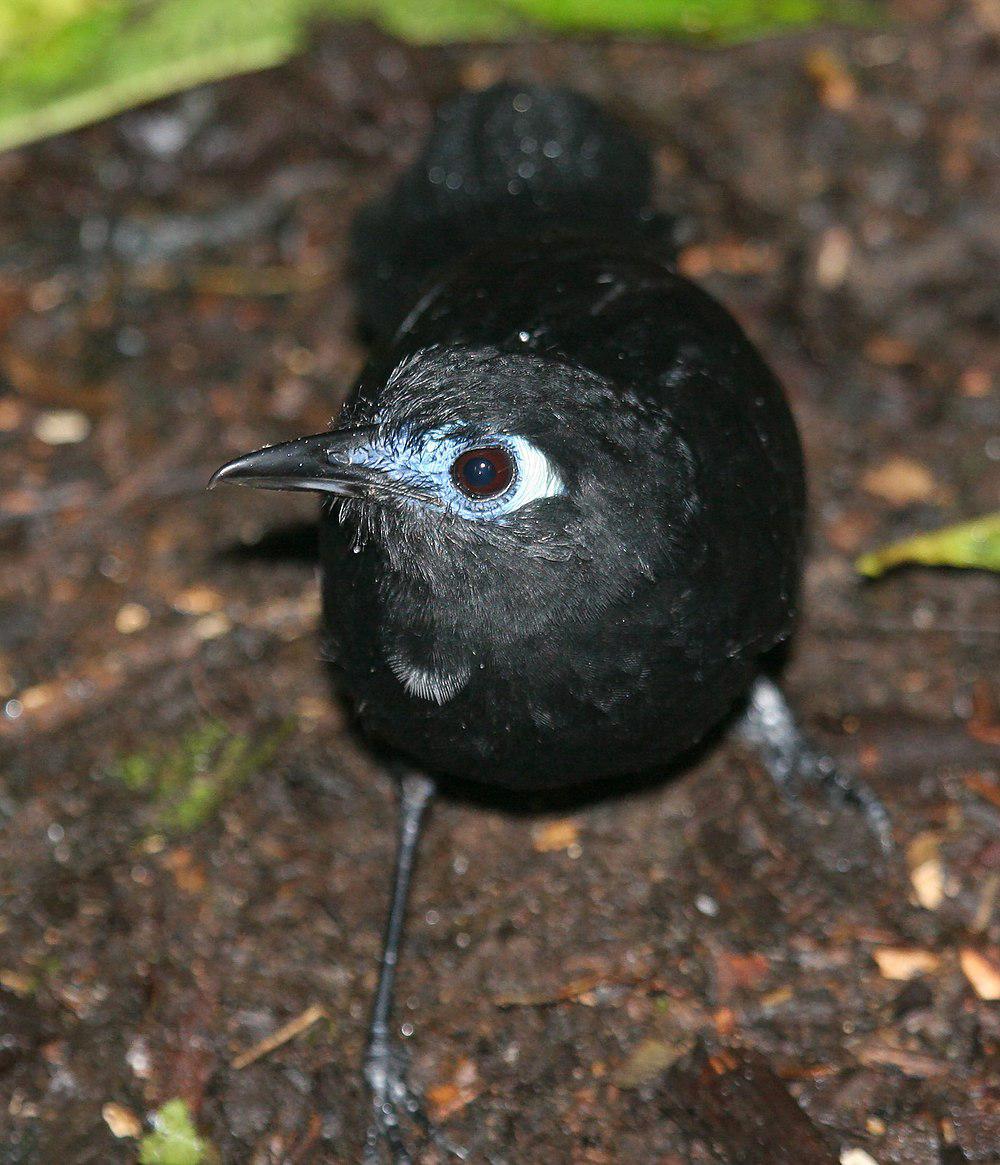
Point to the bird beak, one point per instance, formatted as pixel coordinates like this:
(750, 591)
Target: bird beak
(332, 463)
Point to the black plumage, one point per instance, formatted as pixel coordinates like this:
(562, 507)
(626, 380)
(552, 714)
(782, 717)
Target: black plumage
(604, 630)
(505, 164)
(565, 500)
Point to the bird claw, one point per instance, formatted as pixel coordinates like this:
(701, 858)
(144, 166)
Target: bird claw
(393, 1101)
(768, 725)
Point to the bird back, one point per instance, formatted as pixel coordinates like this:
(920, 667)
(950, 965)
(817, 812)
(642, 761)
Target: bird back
(504, 163)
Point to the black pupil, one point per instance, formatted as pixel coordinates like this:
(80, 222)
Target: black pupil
(479, 473)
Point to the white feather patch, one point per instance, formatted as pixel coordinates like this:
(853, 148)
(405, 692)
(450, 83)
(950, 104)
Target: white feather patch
(426, 683)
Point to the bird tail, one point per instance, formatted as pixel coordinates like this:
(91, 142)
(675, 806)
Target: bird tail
(504, 162)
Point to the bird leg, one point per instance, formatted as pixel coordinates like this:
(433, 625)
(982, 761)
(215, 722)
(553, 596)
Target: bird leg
(386, 1060)
(770, 726)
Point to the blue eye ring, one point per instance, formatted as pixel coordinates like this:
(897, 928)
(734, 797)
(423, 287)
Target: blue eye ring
(485, 472)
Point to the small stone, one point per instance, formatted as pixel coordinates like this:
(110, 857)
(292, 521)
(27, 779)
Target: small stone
(856, 1157)
(131, 617)
(928, 881)
(927, 872)
(982, 972)
(904, 962)
(16, 982)
(706, 904)
(48, 294)
(648, 1060)
(121, 1121)
(138, 1058)
(212, 626)
(197, 600)
(61, 427)
(900, 481)
(555, 835)
(833, 258)
(37, 697)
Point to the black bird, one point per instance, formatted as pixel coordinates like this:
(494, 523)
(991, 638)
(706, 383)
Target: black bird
(563, 515)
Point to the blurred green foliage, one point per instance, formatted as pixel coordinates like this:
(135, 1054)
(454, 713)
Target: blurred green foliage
(186, 785)
(174, 1139)
(974, 545)
(64, 63)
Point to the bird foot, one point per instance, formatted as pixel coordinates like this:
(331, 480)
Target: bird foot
(769, 725)
(393, 1102)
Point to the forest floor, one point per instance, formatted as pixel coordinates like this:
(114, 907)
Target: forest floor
(196, 850)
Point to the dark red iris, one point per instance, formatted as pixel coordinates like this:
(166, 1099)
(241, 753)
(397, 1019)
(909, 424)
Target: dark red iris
(483, 473)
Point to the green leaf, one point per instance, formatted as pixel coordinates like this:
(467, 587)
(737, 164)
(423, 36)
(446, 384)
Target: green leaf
(119, 53)
(719, 19)
(64, 63)
(974, 545)
(174, 1139)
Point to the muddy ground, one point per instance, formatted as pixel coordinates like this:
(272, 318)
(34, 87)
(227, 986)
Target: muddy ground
(196, 852)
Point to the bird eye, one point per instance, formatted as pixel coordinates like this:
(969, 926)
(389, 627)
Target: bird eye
(483, 473)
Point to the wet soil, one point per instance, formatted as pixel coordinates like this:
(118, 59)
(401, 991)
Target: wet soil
(579, 986)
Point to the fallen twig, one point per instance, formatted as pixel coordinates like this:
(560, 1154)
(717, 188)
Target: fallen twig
(294, 1027)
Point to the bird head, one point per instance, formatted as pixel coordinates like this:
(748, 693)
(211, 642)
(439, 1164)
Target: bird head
(520, 484)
